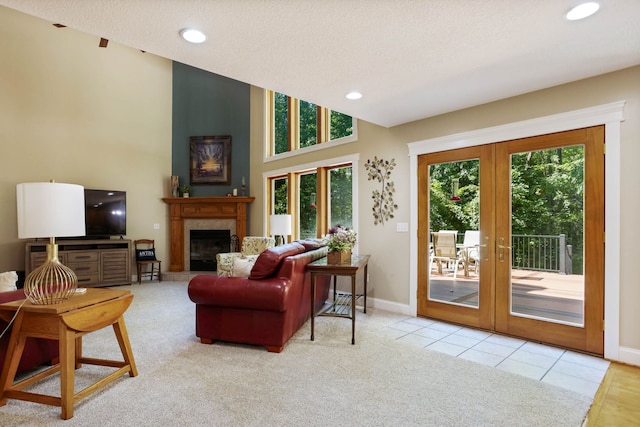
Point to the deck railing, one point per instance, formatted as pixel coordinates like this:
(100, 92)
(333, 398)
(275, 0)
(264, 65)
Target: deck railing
(541, 253)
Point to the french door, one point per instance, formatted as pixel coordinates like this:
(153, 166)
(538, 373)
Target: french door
(537, 269)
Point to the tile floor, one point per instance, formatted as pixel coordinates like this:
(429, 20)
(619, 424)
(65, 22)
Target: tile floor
(564, 368)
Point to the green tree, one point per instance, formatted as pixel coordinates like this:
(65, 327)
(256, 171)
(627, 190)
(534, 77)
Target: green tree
(341, 125)
(547, 196)
(281, 123)
(308, 124)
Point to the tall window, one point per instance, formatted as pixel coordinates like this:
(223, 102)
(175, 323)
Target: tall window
(296, 124)
(317, 199)
(307, 205)
(280, 191)
(308, 124)
(340, 197)
(281, 123)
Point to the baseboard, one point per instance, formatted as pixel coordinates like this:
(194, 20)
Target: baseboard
(630, 356)
(393, 307)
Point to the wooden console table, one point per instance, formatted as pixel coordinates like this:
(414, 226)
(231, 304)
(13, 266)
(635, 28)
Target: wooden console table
(339, 306)
(66, 322)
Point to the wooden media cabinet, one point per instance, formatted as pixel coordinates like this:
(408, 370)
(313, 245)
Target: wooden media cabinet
(104, 262)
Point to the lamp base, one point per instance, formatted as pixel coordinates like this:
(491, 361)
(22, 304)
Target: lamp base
(52, 282)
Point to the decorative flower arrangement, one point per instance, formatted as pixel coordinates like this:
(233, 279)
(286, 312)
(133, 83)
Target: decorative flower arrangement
(340, 239)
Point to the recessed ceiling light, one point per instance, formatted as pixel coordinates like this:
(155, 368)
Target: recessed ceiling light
(354, 95)
(582, 11)
(193, 36)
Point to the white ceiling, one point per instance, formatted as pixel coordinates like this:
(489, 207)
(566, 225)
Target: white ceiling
(410, 58)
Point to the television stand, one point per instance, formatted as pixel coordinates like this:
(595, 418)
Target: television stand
(100, 262)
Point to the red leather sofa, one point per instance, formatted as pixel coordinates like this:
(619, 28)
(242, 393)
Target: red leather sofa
(37, 351)
(267, 307)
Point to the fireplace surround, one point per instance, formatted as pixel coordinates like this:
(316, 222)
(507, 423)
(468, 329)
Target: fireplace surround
(202, 213)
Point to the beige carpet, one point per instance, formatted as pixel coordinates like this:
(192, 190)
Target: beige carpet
(377, 382)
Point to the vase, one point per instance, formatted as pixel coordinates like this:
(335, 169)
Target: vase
(174, 186)
(339, 257)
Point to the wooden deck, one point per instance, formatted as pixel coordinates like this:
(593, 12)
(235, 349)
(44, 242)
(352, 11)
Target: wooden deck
(552, 296)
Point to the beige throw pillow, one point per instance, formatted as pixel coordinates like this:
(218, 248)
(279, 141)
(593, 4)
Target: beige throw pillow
(8, 281)
(242, 266)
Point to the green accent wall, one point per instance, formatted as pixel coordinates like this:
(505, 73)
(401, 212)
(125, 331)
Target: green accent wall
(208, 104)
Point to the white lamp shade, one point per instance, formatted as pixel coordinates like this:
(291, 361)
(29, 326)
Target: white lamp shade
(280, 225)
(50, 209)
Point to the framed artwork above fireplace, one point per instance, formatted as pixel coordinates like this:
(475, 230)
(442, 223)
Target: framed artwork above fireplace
(210, 160)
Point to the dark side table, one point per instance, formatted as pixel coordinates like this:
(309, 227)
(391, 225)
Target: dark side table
(339, 307)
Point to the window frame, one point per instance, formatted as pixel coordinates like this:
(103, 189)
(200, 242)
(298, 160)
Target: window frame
(293, 174)
(322, 130)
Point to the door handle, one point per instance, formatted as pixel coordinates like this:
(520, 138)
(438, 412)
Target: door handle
(501, 248)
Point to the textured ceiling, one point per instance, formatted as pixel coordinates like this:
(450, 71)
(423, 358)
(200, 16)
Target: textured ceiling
(410, 58)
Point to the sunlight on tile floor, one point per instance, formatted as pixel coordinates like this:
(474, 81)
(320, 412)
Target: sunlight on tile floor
(564, 368)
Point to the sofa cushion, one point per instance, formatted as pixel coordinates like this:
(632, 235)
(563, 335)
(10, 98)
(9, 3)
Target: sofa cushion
(8, 281)
(242, 266)
(269, 261)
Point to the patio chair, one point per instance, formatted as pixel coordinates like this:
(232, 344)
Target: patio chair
(444, 250)
(470, 252)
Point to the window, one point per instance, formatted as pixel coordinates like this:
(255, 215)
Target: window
(280, 195)
(307, 207)
(317, 198)
(341, 197)
(297, 125)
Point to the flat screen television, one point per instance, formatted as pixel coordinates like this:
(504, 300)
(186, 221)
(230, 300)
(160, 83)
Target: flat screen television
(105, 213)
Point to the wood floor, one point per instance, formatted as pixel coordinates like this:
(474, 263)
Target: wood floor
(552, 296)
(617, 402)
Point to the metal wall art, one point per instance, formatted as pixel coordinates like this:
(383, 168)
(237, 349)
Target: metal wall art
(383, 205)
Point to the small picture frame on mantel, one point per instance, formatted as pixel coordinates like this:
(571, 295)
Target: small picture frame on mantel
(210, 160)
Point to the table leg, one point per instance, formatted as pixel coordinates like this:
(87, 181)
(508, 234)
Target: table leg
(13, 356)
(122, 336)
(353, 309)
(313, 302)
(366, 279)
(78, 353)
(67, 347)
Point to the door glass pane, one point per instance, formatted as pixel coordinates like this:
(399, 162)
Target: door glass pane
(547, 235)
(454, 252)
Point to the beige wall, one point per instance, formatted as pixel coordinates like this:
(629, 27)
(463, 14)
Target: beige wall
(74, 112)
(389, 268)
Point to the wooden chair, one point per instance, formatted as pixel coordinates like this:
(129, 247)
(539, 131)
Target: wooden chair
(146, 255)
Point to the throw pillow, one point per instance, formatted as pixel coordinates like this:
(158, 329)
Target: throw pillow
(242, 266)
(8, 281)
(269, 261)
(145, 254)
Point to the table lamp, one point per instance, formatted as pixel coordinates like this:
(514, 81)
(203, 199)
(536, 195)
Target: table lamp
(280, 226)
(50, 210)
